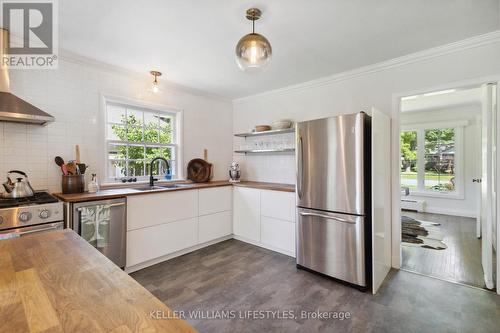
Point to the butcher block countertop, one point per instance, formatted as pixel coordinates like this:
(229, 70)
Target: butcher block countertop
(57, 282)
(120, 192)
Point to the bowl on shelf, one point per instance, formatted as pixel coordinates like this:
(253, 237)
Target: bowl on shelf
(262, 128)
(281, 124)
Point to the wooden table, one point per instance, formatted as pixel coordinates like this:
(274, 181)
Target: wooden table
(56, 282)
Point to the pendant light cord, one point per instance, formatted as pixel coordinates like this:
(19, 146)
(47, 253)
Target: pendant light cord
(253, 26)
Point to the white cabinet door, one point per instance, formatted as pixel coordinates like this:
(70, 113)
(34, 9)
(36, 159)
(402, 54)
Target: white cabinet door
(278, 234)
(214, 200)
(214, 226)
(157, 208)
(246, 213)
(159, 240)
(278, 205)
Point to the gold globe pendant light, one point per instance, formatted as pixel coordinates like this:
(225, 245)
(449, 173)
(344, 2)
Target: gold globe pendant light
(253, 51)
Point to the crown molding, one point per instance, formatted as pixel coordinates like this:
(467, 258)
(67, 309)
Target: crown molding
(473, 42)
(69, 56)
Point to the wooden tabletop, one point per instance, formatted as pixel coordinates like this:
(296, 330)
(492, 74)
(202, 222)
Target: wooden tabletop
(120, 192)
(57, 282)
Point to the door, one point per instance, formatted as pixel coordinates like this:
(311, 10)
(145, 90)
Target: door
(381, 198)
(332, 244)
(488, 164)
(330, 164)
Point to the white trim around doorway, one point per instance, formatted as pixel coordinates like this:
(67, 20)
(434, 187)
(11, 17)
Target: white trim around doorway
(395, 149)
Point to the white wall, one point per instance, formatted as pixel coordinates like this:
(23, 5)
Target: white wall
(360, 90)
(467, 205)
(71, 94)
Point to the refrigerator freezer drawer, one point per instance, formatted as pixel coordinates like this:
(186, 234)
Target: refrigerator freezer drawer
(332, 244)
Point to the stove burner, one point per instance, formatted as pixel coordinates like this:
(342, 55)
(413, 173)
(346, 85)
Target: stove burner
(38, 198)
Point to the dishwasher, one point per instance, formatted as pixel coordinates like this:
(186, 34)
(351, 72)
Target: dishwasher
(103, 224)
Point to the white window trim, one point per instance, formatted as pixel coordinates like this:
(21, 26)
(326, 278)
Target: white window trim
(459, 158)
(178, 132)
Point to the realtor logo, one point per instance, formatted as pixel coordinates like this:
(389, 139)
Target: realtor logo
(32, 27)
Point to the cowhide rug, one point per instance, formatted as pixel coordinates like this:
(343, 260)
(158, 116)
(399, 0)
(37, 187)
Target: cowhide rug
(422, 234)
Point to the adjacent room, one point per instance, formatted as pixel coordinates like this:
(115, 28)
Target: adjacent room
(441, 184)
(249, 166)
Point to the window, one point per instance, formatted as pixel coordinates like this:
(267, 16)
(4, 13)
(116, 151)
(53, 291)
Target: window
(431, 159)
(134, 136)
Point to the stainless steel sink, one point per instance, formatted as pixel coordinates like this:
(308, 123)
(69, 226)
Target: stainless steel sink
(161, 187)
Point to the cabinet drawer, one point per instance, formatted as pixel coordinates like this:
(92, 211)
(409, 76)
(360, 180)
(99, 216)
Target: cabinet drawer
(278, 234)
(214, 200)
(278, 205)
(246, 213)
(159, 240)
(158, 208)
(214, 226)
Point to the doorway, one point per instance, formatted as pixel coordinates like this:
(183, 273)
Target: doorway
(447, 173)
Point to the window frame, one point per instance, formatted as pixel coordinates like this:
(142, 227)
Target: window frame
(177, 130)
(420, 128)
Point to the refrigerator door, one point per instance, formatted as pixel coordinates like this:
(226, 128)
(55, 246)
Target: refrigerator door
(332, 244)
(330, 164)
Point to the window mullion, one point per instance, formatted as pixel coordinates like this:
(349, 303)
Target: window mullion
(421, 160)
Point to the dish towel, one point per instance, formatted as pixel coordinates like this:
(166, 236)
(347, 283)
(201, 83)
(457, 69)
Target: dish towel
(95, 225)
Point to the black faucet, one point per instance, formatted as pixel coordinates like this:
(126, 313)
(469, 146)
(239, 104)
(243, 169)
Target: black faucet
(151, 178)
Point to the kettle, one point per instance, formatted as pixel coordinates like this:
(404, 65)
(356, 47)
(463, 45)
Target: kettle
(21, 188)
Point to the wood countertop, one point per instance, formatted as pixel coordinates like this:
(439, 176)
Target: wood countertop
(267, 186)
(57, 282)
(121, 192)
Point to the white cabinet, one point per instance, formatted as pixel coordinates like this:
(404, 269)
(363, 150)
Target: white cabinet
(246, 213)
(214, 226)
(278, 234)
(278, 205)
(215, 199)
(152, 242)
(265, 218)
(156, 208)
(166, 224)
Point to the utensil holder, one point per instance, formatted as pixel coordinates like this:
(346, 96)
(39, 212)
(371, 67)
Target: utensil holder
(73, 184)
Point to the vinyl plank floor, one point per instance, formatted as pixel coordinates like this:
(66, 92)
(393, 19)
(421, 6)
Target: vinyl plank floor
(460, 261)
(239, 277)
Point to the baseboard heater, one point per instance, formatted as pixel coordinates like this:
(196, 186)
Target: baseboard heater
(414, 205)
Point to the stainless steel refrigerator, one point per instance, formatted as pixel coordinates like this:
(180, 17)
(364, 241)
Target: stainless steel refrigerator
(333, 197)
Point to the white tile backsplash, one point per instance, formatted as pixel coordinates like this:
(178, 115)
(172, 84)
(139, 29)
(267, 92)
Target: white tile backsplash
(72, 95)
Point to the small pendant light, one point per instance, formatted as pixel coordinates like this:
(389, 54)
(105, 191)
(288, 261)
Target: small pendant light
(253, 51)
(155, 87)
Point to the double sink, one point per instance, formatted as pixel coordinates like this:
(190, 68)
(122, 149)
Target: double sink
(161, 187)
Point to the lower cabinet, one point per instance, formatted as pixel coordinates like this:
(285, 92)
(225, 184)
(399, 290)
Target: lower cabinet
(214, 226)
(246, 213)
(278, 234)
(265, 218)
(159, 240)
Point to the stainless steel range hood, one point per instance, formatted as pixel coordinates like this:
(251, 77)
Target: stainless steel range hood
(13, 108)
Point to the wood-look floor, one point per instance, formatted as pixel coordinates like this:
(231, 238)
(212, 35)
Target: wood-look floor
(460, 261)
(233, 275)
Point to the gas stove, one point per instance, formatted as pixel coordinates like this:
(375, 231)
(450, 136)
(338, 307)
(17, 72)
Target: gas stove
(39, 212)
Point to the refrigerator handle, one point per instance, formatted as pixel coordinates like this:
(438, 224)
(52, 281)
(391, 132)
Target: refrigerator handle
(327, 217)
(299, 168)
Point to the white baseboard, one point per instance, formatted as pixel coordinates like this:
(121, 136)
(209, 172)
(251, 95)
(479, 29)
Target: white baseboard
(174, 255)
(448, 211)
(269, 247)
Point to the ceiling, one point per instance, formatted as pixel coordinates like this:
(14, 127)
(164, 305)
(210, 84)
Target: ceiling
(193, 42)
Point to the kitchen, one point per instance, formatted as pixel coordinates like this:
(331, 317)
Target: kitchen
(174, 237)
